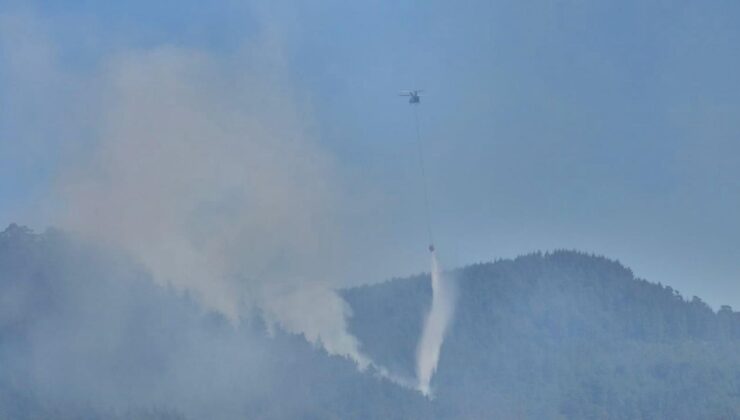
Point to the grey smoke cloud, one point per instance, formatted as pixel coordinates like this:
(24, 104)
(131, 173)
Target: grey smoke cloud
(204, 169)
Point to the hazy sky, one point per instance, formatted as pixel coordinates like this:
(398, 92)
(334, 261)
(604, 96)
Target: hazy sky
(606, 126)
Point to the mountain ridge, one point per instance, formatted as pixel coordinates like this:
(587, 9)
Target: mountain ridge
(581, 320)
(563, 334)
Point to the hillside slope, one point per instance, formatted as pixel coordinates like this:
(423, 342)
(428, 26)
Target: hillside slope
(86, 334)
(562, 334)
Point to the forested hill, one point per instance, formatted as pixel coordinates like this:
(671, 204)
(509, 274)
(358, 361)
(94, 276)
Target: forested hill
(86, 334)
(561, 334)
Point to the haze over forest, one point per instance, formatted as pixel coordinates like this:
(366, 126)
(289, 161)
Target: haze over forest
(86, 334)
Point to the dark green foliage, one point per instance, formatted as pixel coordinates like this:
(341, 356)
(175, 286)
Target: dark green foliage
(564, 335)
(85, 334)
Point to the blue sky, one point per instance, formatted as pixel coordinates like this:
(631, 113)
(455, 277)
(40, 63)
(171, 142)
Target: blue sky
(604, 126)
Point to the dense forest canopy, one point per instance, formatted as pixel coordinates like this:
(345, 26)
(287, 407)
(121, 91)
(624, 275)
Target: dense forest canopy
(85, 333)
(562, 334)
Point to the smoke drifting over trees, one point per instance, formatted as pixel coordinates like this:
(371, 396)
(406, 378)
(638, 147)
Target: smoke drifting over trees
(86, 333)
(89, 334)
(203, 167)
(203, 171)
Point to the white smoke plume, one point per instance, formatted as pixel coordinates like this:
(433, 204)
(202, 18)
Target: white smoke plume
(435, 327)
(205, 169)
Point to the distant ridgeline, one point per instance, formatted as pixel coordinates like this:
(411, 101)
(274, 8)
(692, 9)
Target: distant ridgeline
(85, 335)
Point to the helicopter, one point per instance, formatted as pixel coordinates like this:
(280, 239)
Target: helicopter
(413, 95)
